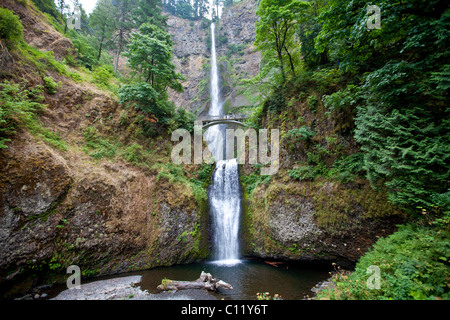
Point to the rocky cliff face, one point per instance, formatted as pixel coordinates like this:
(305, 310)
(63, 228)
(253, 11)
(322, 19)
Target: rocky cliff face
(59, 209)
(317, 221)
(236, 56)
(190, 56)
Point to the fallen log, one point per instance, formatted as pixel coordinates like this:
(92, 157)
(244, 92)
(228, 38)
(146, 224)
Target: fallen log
(206, 281)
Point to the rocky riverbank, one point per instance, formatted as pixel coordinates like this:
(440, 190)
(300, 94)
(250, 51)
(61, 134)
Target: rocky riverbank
(126, 288)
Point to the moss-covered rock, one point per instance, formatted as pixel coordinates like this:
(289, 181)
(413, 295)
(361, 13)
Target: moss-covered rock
(316, 221)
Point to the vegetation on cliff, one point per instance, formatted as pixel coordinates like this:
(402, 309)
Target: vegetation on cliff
(89, 180)
(366, 103)
(365, 143)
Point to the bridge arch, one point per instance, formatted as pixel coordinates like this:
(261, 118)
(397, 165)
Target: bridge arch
(213, 123)
(209, 121)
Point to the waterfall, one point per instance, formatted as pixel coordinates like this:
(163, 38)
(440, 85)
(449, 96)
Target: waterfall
(224, 192)
(225, 202)
(215, 134)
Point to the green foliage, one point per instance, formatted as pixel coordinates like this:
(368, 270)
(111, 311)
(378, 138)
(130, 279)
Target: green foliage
(302, 173)
(342, 99)
(186, 9)
(236, 49)
(43, 61)
(75, 76)
(134, 154)
(11, 30)
(96, 145)
(348, 167)
(47, 6)
(19, 107)
(275, 102)
(397, 86)
(50, 85)
(308, 29)
(204, 174)
(176, 174)
(102, 21)
(275, 32)
(150, 56)
(84, 47)
(102, 75)
(300, 134)
(253, 180)
(16, 108)
(413, 264)
(312, 103)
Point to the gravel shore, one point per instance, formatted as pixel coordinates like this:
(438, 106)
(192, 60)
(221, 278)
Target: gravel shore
(125, 289)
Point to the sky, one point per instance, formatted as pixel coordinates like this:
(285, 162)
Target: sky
(88, 5)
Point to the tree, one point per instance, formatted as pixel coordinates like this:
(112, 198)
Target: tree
(149, 11)
(48, 6)
(399, 92)
(201, 8)
(275, 31)
(102, 21)
(125, 24)
(308, 29)
(150, 56)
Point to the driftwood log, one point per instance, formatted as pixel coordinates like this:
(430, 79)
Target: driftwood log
(206, 281)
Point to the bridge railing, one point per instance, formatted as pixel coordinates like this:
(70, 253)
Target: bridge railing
(224, 117)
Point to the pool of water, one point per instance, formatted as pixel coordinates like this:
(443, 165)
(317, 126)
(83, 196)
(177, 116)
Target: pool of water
(290, 281)
(247, 277)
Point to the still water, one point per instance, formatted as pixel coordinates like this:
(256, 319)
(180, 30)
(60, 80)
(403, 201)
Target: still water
(290, 281)
(247, 277)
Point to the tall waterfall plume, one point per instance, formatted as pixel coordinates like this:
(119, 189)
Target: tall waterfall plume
(224, 193)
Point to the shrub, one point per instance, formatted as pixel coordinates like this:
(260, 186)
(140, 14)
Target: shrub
(97, 146)
(253, 180)
(15, 109)
(302, 173)
(43, 61)
(19, 107)
(276, 102)
(413, 262)
(11, 30)
(134, 154)
(102, 75)
(312, 103)
(348, 167)
(75, 76)
(300, 134)
(47, 6)
(51, 86)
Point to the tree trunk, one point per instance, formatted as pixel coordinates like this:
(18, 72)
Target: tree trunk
(280, 59)
(290, 61)
(119, 49)
(100, 49)
(206, 281)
